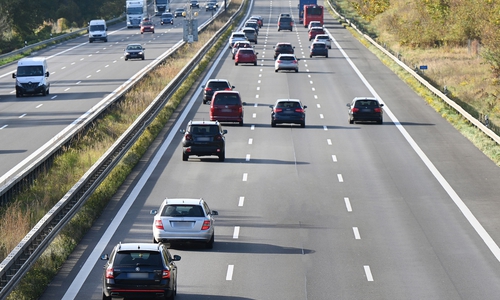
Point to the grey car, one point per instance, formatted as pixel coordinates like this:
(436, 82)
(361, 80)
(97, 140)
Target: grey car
(184, 220)
(251, 34)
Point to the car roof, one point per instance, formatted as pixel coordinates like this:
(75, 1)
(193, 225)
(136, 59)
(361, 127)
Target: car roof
(283, 44)
(287, 54)
(219, 80)
(248, 28)
(288, 100)
(138, 246)
(324, 35)
(196, 123)
(134, 45)
(364, 98)
(190, 201)
(316, 28)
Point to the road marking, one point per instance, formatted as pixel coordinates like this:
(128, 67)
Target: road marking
(334, 158)
(325, 128)
(316, 97)
(258, 88)
(247, 158)
(242, 200)
(98, 71)
(339, 176)
(39, 105)
(356, 233)
(310, 82)
(321, 116)
(368, 273)
(250, 141)
(245, 176)
(79, 82)
(254, 115)
(236, 232)
(348, 204)
(257, 96)
(3, 127)
(318, 105)
(67, 89)
(329, 142)
(313, 89)
(229, 274)
(22, 116)
(252, 127)
(255, 105)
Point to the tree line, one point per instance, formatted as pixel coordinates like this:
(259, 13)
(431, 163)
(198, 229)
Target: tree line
(35, 20)
(435, 23)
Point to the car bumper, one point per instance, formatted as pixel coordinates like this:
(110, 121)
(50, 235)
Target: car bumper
(31, 90)
(203, 150)
(289, 119)
(226, 119)
(366, 117)
(175, 236)
(139, 293)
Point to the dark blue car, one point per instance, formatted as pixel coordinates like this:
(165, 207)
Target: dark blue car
(318, 49)
(289, 111)
(167, 18)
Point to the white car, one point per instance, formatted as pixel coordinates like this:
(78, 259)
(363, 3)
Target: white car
(314, 24)
(235, 37)
(324, 38)
(184, 220)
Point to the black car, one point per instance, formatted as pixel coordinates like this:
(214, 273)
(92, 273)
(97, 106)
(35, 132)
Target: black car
(204, 138)
(289, 111)
(214, 85)
(194, 4)
(285, 23)
(137, 270)
(365, 109)
(283, 48)
(134, 51)
(318, 49)
(167, 18)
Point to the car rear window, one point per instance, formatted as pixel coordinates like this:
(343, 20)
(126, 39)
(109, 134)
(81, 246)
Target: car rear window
(287, 57)
(227, 99)
(366, 103)
(317, 30)
(319, 45)
(285, 19)
(203, 129)
(183, 210)
(218, 85)
(288, 104)
(132, 258)
(283, 47)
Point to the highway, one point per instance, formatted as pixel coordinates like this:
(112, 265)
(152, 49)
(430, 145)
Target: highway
(82, 75)
(403, 210)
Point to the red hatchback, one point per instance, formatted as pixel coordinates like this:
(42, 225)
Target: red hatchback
(226, 106)
(245, 55)
(147, 26)
(315, 31)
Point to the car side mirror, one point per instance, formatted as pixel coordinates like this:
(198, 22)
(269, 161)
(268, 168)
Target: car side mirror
(46, 74)
(298, 59)
(243, 103)
(348, 105)
(224, 131)
(104, 257)
(13, 75)
(271, 106)
(381, 104)
(215, 213)
(182, 131)
(233, 87)
(176, 258)
(305, 106)
(153, 212)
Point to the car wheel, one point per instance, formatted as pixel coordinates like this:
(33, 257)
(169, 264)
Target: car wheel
(326, 56)
(296, 70)
(255, 63)
(204, 101)
(303, 124)
(126, 59)
(351, 121)
(276, 70)
(240, 123)
(210, 243)
(380, 121)
(222, 156)
(273, 124)
(153, 32)
(18, 95)
(143, 57)
(154, 240)
(48, 91)
(142, 32)
(185, 156)
(44, 93)
(310, 56)
(233, 57)
(104, 297)
(235, 63)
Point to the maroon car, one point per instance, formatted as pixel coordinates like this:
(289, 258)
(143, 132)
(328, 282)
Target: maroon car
(315, 31)
(245, 55)
(226, 106)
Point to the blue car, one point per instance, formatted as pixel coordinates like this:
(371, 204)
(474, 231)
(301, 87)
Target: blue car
(288, 111)
(167, 18)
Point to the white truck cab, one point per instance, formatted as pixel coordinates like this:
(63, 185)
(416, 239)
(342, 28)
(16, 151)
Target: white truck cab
(32, 76)
(98, 31)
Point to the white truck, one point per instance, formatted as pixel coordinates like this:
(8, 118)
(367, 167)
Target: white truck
(136, 11)
(161, 6)
(98, 31)
(32, 76)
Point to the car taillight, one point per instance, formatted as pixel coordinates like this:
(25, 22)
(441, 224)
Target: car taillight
(208, 89)
(240, 109)
(377, 109)
(299, 110)
(291, 23)
(188, 137)
(227, 89)
(279, 61)
(110, 273)
(218, 137)
(159, 224)
(294, 61)
(276, 110)
(165, 274)
(206, 225)
(355, 109)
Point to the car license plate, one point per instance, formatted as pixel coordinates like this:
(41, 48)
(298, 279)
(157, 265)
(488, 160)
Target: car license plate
(226, 110)
(203, 139)
(138, 275)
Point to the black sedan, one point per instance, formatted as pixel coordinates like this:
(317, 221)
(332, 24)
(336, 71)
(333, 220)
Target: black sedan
(318, 49)
(290, 111)
(134, 51)
(365, 109)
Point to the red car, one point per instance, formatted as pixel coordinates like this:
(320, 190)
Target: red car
(147, 26)
(226, 106)
(245, 55)
(315, 31)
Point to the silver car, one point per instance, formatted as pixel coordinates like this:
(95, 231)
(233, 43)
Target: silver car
(324, 38)
(184, 220)
(286, 62)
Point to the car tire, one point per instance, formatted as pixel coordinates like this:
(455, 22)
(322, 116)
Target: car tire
(351, 121)
(153, 32)
(276, 70)
(296, 70)
(44, 92)
(204, 101)
(104, 297)
(154, 240)
(185, 156)
(326, 56)
(273, 124)
(380, 121)
(143, 57)
(126, 59)
(240, 123)
(222, 156)
(310, 56)
(48, 91)
(235, 63)
(303, 124)
(142, 32)
(255, 63)
(18, 95)
(210, 244)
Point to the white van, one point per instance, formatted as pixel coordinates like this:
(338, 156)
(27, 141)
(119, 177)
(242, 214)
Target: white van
(32, 76)
(97, 31)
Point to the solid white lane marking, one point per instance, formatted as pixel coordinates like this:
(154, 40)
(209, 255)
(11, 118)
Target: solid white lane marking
(250, 141)
(334, 158)
(356, 233)
(329, 142)
(348, 204)
(229, 274)
(242, 200)
(339, 176)
(236, 232)
(368, 273)
(245, 176)
(439, 177)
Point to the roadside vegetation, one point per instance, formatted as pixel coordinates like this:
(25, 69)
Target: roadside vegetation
(458, 41)
(21, 215)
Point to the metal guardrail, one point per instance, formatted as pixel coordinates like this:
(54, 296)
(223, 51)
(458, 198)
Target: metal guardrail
(25, 254)
(422, 81)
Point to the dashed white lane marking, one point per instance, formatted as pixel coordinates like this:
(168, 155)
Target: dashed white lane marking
(3, 127)
(325, 128)
(321, 116)
(22, 116)
(242, 200)
(67, 89)
(368, 273)
(318, 105)
(229, 274)
(250, 141)
(79, 82)
(339, 176)
(348, 204)
(257, 96)
(329, 142)
(255, 105)
(334, 158)
(252, 127)
(254, 115)
(236, 232)
(39, 105)
(245, 176)
(247, 158)
(356, 233)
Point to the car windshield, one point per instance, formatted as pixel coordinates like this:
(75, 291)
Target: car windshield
(24, 71)
(245, 51)
(227, 99)
(134, 47)
(147, 23)
(184, 210)
(286, 57)
(218, 85)
(134, 258)
(166, 15)
(97, 27)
